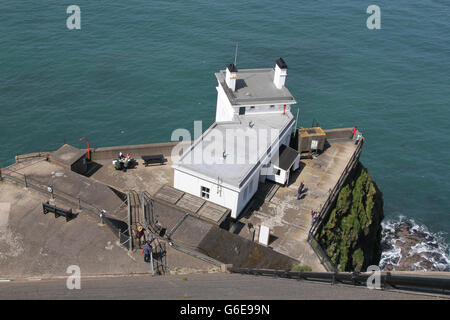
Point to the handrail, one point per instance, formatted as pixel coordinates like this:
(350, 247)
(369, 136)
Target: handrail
(27, 181)
(325, 209)
(355, 278)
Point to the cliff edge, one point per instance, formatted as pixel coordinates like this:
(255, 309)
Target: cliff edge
(351, 236)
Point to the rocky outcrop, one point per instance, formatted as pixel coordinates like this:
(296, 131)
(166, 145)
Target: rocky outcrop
(408, 246)
(351, 235)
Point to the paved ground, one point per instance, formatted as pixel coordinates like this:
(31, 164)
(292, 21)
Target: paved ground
(140, 178)
(69, 185)
(216, 286)
(34, 244)
(289, 219)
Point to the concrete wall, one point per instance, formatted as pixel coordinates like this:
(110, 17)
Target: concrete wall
(28, 156)
(224, 110)
(339, 133)
(107, 153)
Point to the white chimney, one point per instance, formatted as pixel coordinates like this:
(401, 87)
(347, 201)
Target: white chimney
(280, 73)
(231, 76)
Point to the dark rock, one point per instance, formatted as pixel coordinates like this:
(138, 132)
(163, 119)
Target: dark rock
(402, 229)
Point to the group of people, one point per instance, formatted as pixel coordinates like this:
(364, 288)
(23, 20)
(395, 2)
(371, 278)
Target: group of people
(123, 161)
(358, 137)
(300, 191)
(147, 250)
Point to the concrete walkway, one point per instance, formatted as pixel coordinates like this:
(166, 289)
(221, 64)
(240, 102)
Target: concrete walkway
(140, 178)
(219, 286)
(290, 219)
(36, 245)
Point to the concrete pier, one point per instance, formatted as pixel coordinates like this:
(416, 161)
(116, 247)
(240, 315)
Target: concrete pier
(30, 236)
(290, 219)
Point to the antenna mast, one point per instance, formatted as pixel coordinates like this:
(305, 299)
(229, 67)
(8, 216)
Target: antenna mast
(235, 53)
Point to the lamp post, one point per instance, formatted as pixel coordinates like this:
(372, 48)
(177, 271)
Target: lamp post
(89, 150)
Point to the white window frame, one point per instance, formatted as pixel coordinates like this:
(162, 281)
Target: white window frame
(204, 192)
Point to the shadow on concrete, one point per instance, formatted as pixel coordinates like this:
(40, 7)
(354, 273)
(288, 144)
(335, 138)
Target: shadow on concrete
(92, 167)
(294, 175)
(116, 225)
(236, 227)
(240, 83)
(118, 193)
(232, 249)
(272, 239)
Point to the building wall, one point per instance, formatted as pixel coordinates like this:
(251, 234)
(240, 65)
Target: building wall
(218, 194)
(281, 178)
(224, 110)
(264, 109)
(247, 192)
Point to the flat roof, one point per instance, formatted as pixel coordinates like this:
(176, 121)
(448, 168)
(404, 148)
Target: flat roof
(255, 86)
(67, 154)
(287, 157)
(248, 137)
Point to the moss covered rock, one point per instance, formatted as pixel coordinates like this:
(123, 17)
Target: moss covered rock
(351, 236)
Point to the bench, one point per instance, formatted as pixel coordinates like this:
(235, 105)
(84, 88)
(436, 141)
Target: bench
(158, 158)
(47, 207)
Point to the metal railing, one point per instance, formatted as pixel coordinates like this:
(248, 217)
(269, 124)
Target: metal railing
(150, 224)
(356, 278)
(48, 190)
(326, 209)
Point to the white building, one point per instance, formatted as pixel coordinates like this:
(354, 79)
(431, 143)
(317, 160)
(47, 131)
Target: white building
(247, 144)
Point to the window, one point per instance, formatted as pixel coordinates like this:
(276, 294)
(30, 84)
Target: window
(252, 107)
(204, 192)
(242, 110)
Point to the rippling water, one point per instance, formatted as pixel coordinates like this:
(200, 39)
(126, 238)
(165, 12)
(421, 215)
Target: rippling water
(139, 69)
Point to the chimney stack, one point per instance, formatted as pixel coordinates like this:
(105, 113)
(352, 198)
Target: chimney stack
(231, 76)
(280, 73)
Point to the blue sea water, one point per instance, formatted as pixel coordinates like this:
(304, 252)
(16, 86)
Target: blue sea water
(139, 69)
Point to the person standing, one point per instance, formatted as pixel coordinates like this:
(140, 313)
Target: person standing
(140, 235)
(147, 251)
(300, 190)
(313, 216)
(353, 132)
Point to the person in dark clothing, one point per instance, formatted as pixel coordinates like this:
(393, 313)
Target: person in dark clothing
(300, 190)
(147, 251)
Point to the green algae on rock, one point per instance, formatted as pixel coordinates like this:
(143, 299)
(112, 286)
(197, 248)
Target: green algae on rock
(351, 236)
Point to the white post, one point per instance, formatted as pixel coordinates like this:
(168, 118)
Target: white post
(151, 260)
